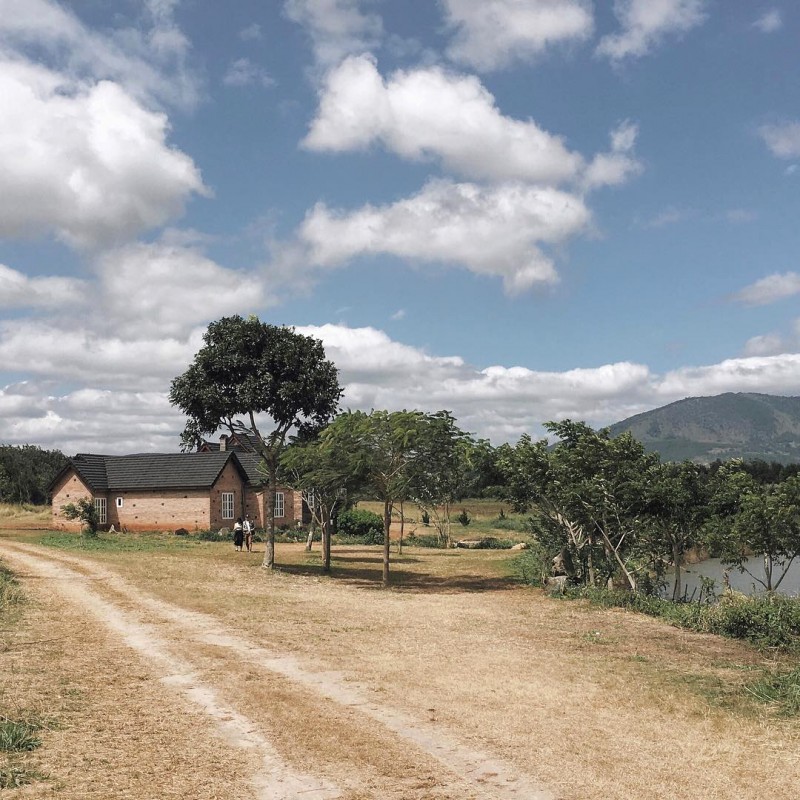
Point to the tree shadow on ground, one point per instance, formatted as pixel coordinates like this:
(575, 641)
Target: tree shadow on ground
(364, 569)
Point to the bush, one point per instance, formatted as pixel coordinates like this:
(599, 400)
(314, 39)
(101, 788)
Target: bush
(423, 540)
(765, 620)
(360, 526)
(18, 736)
(464, 518)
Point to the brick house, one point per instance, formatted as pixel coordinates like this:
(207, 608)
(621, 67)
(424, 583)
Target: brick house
(166, 491)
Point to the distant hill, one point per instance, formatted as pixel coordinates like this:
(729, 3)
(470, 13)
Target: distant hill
(725, 426)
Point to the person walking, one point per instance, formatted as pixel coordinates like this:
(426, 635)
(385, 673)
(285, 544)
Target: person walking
(248, 534)
(238, 534)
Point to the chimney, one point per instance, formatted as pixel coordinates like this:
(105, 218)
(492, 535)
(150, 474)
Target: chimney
(223, 442)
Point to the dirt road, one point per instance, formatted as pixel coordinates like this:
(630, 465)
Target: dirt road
(194, 674)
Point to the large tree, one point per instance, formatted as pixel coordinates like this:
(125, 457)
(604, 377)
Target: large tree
(378, 452)
(262, 381)
(586, 491)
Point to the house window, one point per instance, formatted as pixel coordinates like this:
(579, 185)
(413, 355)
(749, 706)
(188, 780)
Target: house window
(101, 510)
(279, 504)
(120, 502)
(227, 505)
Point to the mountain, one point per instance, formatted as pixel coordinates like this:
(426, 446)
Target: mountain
(702, 429)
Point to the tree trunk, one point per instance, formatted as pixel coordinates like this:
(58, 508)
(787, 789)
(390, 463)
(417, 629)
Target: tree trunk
(269, 516)
(326, 544)
(387, 524)
(590, 562)
(677, 559)
(310, 538)
(402, 528)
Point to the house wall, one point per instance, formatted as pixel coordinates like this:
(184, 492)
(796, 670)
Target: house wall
(159, 509)
(292, 507)
(69, 490)
(229, 481)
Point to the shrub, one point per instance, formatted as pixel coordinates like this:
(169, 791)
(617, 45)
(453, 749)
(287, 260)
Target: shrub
(18, 736)
(426, 518)
(85, 511)
(764, 620)
(361, 526)
(782, 691)
(423, 540)
(10, 592)
(464, 518)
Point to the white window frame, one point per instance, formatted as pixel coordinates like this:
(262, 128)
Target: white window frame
(279, 509)
(120, 502)
(228, 502)
(101, 509)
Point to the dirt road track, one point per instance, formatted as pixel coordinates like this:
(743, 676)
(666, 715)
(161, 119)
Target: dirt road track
(175, 644)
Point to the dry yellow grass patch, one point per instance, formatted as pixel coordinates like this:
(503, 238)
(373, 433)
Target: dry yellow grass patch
(591, 703)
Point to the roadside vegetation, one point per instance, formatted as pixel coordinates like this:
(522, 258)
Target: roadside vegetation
(19, 732)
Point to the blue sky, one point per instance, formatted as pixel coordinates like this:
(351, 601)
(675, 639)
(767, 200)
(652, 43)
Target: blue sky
(518, 210)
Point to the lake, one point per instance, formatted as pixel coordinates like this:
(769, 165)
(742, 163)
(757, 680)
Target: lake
(740, 582)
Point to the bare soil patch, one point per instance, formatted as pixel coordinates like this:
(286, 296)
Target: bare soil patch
(424, 691)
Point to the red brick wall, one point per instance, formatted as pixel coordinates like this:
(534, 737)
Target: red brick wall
(229, 481)
(69, 489)
(167, 510)
(160, 510)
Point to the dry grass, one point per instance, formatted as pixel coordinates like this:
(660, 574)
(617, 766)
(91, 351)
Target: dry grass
(593, 703)
(29, 517)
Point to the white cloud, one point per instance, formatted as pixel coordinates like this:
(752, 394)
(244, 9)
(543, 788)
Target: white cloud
(669, 216)
(149, 60)
(770, 289)
(20, 291)
(337, 28)
(769, 344)
(251, 33)
(492, 35)
(782, 140)
(152, 289)
(619, 165)
(86, 161)
(82, 354)
(770, 21)
(429, 113)
(495, 231)
(645, 23)
(243, 72)
(123, 405)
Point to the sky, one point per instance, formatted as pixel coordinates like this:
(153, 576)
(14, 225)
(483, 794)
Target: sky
(515, 210)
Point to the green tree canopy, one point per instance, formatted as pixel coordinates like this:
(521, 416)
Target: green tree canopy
(247, 369)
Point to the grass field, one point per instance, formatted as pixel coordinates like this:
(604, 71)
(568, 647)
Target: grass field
(589, 702)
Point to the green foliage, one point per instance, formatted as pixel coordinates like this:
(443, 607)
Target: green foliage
(12, 776)
(85, 511)
(766, 621)
(120, 542)
(426, 518)
(26, 472)
(361, 526)
(247, 368)
(18, 736)
(464, 518)
(534, 564)
(780, 690)
(10, 591)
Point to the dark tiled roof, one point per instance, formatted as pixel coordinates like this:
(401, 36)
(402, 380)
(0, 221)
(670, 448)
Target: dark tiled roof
(154, 470)
(92, 469)
(250, 462)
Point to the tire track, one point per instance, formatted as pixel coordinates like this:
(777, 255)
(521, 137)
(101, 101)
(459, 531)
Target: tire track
(275, 779)
(492, 777)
